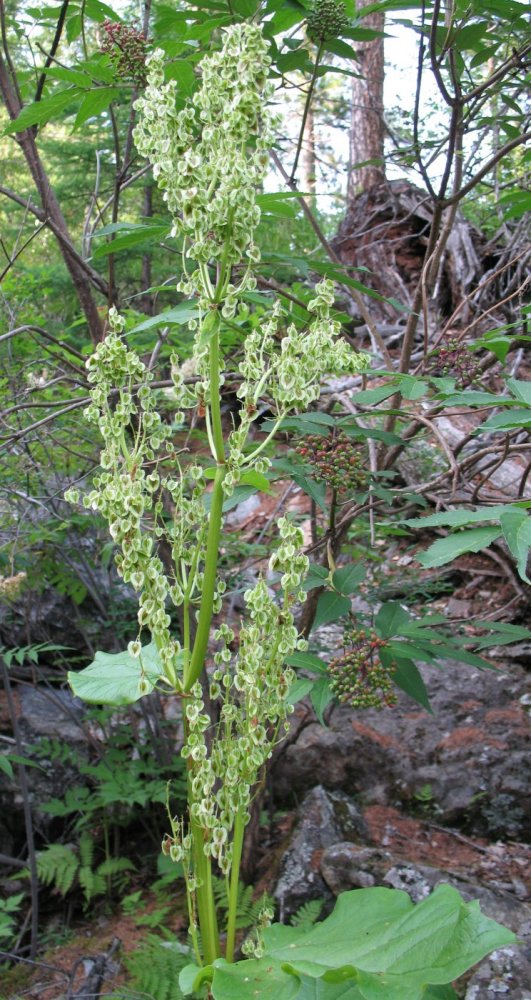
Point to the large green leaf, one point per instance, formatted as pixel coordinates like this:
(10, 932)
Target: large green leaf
(516, 526)
(315, 490)
(369, 397)
(307, 661)
(408, 678)
(348, 578)
(256, 479)
(444, 550)
(278, 203)
(389, 947)
(390, 619)
(330, 607)
(178, 316)
(520, 390)
(507, 421)
(317, 577)
(320, 697)
(458, 518)
(117, 678)
(257, 980)
(319, 989)
(134, 236)
(94, 103)
(43, 111)
(298, 690)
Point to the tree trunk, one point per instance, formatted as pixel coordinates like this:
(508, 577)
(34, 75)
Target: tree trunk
(366, 120)
(51, 208)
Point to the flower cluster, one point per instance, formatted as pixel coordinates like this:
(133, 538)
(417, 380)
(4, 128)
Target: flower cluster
(328, 19)
(335, 460)
(210, 157)
(358, 677)
(127, 47)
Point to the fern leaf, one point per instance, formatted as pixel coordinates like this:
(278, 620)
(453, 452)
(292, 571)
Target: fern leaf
(247, 909)
(91, 882)
(112, 866)
(86, 850)
(155, 967)
(57, 865)
(307, 914)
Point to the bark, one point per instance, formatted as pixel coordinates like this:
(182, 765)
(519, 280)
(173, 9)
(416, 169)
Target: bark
(50, 206)
(308, 161)
(366, 120)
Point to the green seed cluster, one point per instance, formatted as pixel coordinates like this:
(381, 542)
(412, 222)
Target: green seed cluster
(328, 19)
(358, 677)
(335, 460)
(454, 358)
(202, 155)
(252, 685)
(292, 375)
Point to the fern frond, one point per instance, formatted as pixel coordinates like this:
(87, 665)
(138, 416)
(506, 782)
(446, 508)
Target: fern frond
(307, 914)
(155, 967)
(57, 865)
(91, 882)
(86, 850)
(112, 866)
(247, 908)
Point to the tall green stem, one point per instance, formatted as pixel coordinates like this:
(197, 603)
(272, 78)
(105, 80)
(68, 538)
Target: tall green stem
(214, 527)
(237, 847)
(206, 907)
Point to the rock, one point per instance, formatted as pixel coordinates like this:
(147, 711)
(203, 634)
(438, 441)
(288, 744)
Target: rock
(324, 818)
(472, 753)
(43, 715)
(343, 867)
(505, 973)
(51, 713)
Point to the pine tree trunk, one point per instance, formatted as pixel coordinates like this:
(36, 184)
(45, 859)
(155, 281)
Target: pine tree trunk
(367, 121)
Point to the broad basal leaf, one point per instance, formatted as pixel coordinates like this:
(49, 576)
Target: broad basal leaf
(117, 678)
(391, 949)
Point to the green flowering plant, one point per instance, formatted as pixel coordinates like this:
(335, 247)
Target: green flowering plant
(236, 690)
(209, 160)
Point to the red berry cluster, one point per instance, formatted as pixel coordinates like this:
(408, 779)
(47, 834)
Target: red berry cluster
(358, 677)
(453, 358)
(127, 48)
(335, 460)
